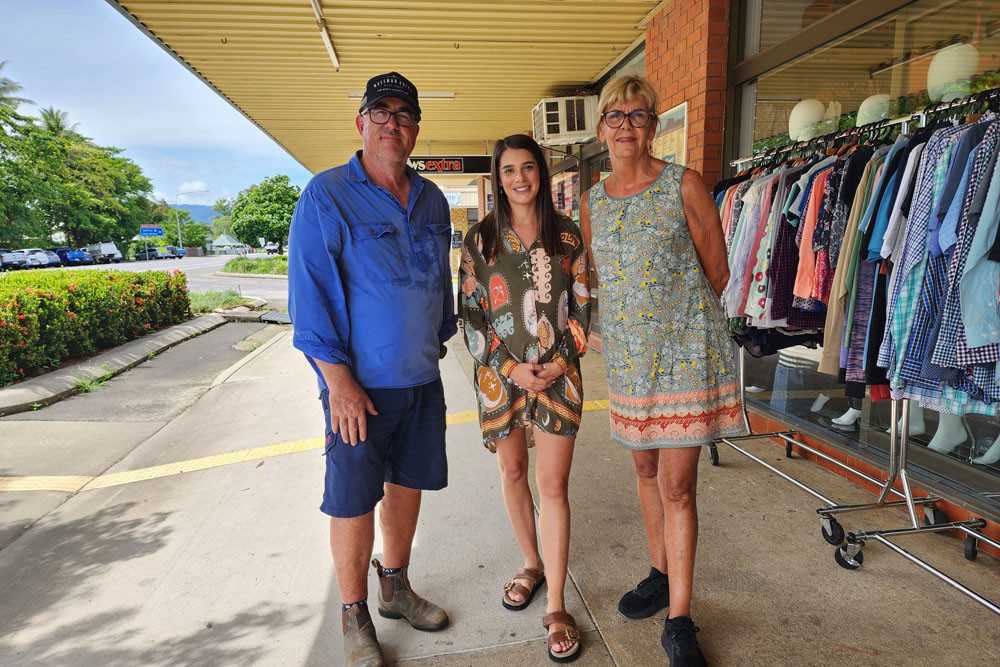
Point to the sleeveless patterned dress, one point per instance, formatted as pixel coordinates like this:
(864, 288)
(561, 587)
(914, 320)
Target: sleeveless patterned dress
(672, 377)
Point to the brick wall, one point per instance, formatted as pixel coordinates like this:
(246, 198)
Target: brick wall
(686, 56)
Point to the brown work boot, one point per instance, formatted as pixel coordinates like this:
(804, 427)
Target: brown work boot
(397, 600)
(361, 647)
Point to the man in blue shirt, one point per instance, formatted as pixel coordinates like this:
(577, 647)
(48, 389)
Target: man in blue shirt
(370, 295)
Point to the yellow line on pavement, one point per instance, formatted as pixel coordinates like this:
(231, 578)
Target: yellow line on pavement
(73, 483)
(119, 478)
(67, 483)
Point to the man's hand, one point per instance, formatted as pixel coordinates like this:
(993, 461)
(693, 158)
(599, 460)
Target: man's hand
(349, 404)
(526, 376)
(550, 372)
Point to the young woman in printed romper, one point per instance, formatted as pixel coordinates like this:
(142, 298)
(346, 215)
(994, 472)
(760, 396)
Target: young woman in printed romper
(656, 240)
(524, 306)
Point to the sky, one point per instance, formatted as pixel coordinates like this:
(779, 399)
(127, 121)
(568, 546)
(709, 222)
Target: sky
(83, 57)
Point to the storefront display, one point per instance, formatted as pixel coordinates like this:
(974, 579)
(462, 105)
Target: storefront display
(861, 265)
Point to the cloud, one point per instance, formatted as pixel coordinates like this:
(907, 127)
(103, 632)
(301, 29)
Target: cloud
(192, 186)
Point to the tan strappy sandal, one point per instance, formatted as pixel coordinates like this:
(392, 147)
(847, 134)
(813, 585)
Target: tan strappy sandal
(570, 634)
(527, 594)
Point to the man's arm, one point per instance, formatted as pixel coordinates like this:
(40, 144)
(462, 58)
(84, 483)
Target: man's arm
(318, 309)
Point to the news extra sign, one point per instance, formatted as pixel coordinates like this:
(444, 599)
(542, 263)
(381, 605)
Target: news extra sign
(450, 164)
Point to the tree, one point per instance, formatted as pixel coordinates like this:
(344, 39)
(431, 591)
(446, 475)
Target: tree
(264, 211)
(222, 222)
(97, 195)
(27, 155)
(7, 90)
(193, 233)
(57, 122)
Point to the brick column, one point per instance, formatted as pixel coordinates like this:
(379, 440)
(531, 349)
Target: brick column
(686, 54)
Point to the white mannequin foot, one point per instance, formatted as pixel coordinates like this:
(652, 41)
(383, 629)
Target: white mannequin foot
(951, 433)
(754, 389)
(848, 417)
(990, 456)
(917, 426)
(819, 403)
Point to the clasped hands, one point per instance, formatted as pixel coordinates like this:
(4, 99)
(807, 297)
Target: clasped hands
(535, 377)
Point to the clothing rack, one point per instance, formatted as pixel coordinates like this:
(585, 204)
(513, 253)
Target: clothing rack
(989, 96)
(849, 554)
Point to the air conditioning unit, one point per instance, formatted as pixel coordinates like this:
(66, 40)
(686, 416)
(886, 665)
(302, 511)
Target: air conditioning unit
(563, 121)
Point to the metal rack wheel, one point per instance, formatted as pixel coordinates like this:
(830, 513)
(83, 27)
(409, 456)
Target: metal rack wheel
(832, 531)
(933, 516)
(788, 450)
(971, 547)
(845, 560)
(713, 454)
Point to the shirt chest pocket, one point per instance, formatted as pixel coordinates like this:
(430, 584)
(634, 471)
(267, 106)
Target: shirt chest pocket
(436, 239)
(378, 247)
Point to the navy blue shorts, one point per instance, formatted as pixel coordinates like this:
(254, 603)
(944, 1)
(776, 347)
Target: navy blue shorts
(405, 446)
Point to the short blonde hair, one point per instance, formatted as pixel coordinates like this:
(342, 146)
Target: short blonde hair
(628, 87)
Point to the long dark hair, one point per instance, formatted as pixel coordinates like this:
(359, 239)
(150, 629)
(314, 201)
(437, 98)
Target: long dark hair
(549, 219)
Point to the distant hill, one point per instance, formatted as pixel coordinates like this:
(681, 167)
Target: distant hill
(198, 212)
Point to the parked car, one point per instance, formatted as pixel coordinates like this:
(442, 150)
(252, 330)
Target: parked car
(70, 257)
(271, 248)
(37, 259)
(152, 253)
(54, 260)
(12, 260)
(105, 253)
(176, 252)
(88, 259)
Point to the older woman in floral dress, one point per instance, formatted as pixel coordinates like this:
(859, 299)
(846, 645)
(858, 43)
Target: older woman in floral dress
(656, 240)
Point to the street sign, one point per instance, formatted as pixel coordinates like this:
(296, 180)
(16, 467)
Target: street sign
(150, 230)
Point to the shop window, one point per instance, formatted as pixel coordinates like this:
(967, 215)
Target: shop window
(926, 52)
(929, 51)
(772, 21)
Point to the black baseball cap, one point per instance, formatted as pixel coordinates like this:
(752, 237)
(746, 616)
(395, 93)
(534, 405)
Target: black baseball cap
(392, 84)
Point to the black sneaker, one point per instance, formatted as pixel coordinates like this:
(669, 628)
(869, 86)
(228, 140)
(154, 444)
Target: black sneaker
(681, 645)
(650, 596)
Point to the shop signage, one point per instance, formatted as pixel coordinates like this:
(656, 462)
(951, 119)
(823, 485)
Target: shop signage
(454, 199)
(150, 230)
(450, 164)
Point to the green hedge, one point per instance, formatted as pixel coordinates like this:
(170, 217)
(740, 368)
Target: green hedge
(49, 317)
(273, 265)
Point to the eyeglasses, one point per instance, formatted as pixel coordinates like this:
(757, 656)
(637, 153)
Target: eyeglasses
(637, 118)
(404, 118)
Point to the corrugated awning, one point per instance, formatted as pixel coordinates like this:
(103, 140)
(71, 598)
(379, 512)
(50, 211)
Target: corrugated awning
(487, 63)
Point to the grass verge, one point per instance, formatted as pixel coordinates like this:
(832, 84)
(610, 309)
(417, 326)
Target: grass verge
(274, 265)
(206, 302)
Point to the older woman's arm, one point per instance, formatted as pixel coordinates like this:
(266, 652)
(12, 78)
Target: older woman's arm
(706, 230)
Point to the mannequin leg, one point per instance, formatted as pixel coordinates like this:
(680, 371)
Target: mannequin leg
(818, 404)
(951, 432)
(917, 426)
(848, 417)
(990, 456)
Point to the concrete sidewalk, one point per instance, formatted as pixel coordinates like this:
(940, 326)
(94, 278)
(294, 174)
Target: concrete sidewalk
(230, 565)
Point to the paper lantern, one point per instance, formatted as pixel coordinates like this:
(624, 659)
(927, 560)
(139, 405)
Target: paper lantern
(949, 72)
(804, 118)
(873, 109)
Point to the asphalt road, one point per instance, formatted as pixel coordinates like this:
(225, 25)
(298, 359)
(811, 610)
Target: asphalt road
(200, 273)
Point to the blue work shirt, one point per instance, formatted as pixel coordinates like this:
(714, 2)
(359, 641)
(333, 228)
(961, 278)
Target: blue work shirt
(369, 281)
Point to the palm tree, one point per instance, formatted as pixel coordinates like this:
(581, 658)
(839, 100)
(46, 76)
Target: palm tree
(7, 90)
(56, 121)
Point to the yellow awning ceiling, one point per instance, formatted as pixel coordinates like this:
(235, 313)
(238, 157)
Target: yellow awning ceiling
(498, 58)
